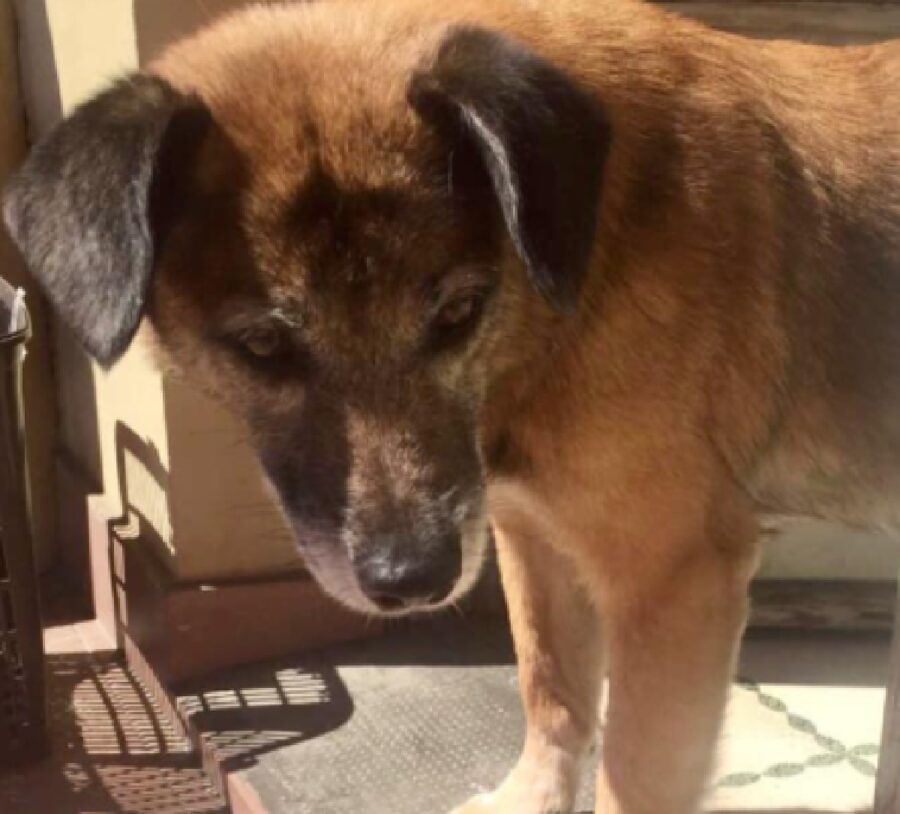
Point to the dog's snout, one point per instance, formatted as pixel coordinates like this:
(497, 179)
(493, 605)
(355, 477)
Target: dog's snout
(397, 576)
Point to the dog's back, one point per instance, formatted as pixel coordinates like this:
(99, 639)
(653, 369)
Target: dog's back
(831, 264)
(763, 178)
(752, 199)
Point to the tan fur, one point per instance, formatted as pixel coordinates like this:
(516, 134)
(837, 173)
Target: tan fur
(731, 356)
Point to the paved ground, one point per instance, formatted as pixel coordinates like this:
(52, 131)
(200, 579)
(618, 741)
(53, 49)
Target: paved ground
(417, 721)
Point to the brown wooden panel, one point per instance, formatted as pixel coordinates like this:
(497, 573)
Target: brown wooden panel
(818, 21)
(845, 605)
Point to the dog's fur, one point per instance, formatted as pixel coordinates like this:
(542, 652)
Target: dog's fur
(622, 284)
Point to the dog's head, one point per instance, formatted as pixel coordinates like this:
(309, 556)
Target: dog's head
(339, 235)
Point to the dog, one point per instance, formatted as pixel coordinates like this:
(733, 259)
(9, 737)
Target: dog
(614, 285)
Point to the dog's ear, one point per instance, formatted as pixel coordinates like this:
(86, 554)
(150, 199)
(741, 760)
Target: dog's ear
(81, 207)
(541, 138)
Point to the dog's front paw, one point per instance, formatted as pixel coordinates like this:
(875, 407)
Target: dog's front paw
(497, 802)
(531, 788)
(480, 804)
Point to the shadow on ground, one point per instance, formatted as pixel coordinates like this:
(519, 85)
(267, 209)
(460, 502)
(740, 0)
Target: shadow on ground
(112, 752)
(259, 710)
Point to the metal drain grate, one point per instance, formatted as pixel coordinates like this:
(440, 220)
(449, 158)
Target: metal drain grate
(15, 722)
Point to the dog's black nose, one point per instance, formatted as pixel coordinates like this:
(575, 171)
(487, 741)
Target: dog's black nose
(397, 576)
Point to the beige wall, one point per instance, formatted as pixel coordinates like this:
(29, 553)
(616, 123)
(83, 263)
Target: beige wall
(70, 49)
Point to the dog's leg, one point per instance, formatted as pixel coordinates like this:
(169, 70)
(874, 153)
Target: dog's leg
(557, 638)
(672, 653)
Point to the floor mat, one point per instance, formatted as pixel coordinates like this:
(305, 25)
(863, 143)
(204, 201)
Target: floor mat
(417, 721)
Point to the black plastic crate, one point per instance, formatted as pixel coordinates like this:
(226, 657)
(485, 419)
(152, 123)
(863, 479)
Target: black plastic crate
(22, 697)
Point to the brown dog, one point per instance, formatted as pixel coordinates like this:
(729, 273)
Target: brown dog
(615, 283)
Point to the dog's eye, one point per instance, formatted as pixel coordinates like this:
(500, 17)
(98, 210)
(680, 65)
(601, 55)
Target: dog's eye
(455, 319)
(264, 341)
(459, 311)
(265, 345)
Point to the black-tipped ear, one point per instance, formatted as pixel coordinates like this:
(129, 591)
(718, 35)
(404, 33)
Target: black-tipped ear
(542, 138)
(79, 209)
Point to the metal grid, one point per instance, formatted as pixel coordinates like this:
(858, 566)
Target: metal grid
(22, 714)
(15, 721)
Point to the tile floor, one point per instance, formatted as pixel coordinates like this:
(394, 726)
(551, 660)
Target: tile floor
(803, 725)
